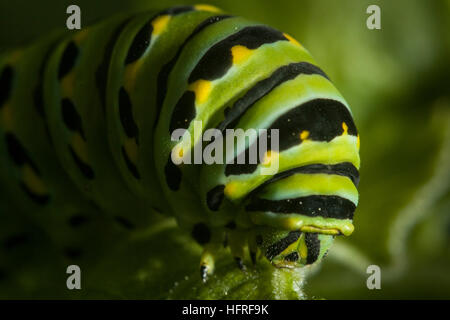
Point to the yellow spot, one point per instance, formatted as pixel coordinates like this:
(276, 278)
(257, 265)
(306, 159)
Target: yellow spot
(67, 84)
(32, 181)
(240, 53)
(206, 7)
(79, 147)
(292, 40)
(160, 24)
(344, 126)
(181, 153)
(304, 135)
(357, 142)
(269, 157)
(7, 118)
(131, 149)
(202, 89)
(230, 188)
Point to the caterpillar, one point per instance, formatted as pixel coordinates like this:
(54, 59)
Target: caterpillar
(87, 121)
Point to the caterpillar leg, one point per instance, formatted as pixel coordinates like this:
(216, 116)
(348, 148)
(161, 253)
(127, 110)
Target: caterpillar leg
(207, 260)
(238, 242)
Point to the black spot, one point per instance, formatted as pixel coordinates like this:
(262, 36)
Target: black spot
(183, 113)
(78, 220)
(173, 175)
(231, 225)
(85, 169)
(201, 233)
(279, 246)
(163, 75)
(259, 239)
(126, 114)
(68, 59)
(218, 59)
(6, 78)
(17, 152)
(124, 222)
(73, 253)
(313, 244)
(293, 256)
(140, 43)
(130, 165)
(101, 74)
(71, 117)
(311, 206)
(214, 197)
(16, 240)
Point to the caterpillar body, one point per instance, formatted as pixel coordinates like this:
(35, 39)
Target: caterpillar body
(87, 118)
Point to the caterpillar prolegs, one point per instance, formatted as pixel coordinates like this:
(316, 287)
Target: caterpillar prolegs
(87, 121)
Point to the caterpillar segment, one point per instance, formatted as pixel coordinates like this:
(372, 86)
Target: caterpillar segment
(108, 121)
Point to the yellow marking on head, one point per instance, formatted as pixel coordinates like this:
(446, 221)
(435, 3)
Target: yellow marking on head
(67, 85)
(7, 117)
(357, 142)
(303, 249)
(79, 147)
(240, 53)
(206, 7)
(202, 89)
(131, 149)
(292, 40)
(304, 135)
(312, 229)
(33, 181)
(345, 128)
(160, 24)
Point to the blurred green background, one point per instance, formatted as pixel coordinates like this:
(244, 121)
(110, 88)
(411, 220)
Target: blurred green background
(397, 82)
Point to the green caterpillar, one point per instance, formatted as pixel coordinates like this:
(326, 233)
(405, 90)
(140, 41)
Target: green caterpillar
(87, 118)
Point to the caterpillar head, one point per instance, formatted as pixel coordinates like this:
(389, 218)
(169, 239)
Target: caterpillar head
(291, 249)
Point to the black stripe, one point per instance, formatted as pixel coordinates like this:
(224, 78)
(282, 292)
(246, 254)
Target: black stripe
(313, 244)
(218, 59)
(311, 206)
(130, 165)
(68, 59)
(322, 118)
(163, 75)
(6, 78)
(345, 169)
(85, 169)
(264, 87)
(279, 246)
